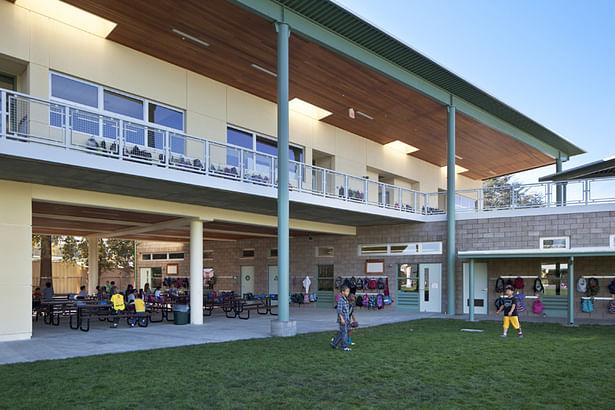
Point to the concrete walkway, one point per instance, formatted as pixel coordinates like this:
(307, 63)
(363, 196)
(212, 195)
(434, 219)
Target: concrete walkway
(60, 342)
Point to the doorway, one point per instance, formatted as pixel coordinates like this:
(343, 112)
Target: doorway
(324, 285)
(247, 279)
(430, 287)
(272, 273)
(480, 288)
(145, 277)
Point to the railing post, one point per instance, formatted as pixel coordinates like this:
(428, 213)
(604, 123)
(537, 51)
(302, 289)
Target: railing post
(299, 176)
(365, 183)
(346, 187)
(167, 148)
(206, 156)
(324, 182)
(241, 158)
(586, 190)
(121, 140)
(481, 195)
(415, 202)
(548, 185)
(399, 198)
(67, 134)
(512, 197)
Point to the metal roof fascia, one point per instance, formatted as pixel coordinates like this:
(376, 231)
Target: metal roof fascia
(535, 255)
(330, 40)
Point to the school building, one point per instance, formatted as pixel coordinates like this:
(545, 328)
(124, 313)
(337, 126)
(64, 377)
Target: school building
(270, 140)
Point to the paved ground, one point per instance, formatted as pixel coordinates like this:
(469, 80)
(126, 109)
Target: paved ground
(59, 342)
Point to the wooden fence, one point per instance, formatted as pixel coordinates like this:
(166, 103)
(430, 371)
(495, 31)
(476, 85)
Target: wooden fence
(68, 277)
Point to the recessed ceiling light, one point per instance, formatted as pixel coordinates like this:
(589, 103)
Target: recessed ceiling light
(458, 157)
(264, 70)
(401, 146)
(189, 37)
(458, 169)
(305, 108)
(71, 15)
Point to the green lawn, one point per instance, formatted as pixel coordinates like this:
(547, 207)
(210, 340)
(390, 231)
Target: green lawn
(424, 363)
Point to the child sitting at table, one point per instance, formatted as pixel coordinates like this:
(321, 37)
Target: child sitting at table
(139, 305)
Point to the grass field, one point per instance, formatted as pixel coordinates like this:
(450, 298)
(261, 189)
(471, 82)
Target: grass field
(423, 363)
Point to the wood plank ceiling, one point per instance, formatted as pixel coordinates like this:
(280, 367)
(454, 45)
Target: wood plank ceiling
(61, 219)
(237, 39)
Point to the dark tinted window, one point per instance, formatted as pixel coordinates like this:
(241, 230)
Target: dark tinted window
(122, 104)
(72, 90)
(165, 116)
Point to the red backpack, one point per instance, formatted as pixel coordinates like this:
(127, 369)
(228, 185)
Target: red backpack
(519, 283)
(373, 284)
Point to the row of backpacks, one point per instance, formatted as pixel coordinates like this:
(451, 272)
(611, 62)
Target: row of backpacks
(360, 283)
(518, 283)
(587, 305)
(591, 286)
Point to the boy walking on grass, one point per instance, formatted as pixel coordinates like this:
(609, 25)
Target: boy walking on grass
(343, 312)
(511, 316)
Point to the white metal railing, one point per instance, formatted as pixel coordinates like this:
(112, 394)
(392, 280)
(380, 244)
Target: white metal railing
(31, 119)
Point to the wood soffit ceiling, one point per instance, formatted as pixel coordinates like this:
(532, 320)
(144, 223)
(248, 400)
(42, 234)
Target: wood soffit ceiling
(60, 219)
(239, 39)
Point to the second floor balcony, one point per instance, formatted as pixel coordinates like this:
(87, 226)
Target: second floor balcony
(74, 136)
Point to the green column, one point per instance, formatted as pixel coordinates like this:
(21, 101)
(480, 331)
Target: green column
(571, 291)
(558, 187)
(450, 210)
(471, 290)
(283, 213)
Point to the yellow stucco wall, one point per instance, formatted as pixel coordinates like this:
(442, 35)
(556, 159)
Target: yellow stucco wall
(47, 44)
(16, 256)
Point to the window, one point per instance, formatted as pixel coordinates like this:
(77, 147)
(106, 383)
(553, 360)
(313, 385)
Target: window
(373, 249)
(419, 248)
(554, 277)
(248, 253)
(259, 143)
(7, 82)
(408, 277)
(555, 243)
(122, 104)
(405, 249)
(165, 116)
(208, 254)
(111, 102)
(273, 252)
(159, 256)
(324, 251)
(73, 90)
(176, 255)
(146, 257)
(612, 241)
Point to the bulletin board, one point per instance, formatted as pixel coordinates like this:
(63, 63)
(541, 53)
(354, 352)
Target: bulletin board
(374, 267)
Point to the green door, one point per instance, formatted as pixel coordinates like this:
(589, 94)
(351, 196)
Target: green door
(324, 285)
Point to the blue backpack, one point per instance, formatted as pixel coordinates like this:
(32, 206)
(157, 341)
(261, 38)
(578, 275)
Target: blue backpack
(587, 306)
(521, 307)
(372, 302)
(380, 301)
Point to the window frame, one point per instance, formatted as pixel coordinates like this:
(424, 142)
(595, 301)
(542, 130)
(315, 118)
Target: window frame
(253, 250)
(545, 238)
(100, 110)
(318, 255)
(611, 241)
(388, 246)
(254, 135)
(206, 258)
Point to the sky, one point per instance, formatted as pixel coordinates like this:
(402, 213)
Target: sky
(552, 60)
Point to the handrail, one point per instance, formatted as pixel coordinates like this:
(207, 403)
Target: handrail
(71, 127)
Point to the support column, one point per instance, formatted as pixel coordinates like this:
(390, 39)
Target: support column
(16, 256)
(196, 272)
(93, 265)
(471, 290)
(283, 326)
(450, 211)
(559, 197)
(571, 291)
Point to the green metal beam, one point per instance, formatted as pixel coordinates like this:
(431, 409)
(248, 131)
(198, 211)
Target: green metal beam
(543, 255)
(571, 291)
(471, 290)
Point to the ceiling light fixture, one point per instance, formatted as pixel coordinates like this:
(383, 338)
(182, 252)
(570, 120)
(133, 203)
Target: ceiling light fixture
(264, 70)
(189, 37)
(369, 117)
(305, 108)
(458, 169)
(458, 157)
(70, 15)
(401, 146)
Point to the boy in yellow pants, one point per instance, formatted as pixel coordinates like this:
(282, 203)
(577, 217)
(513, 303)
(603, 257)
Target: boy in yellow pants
(511, 316)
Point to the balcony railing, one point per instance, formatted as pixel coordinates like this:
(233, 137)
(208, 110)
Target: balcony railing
(35, 120)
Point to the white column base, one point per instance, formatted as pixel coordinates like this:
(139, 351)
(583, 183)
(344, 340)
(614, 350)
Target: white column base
(284, 329)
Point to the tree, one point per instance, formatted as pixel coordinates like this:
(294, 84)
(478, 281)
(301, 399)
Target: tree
(46, 271)
(503, 193)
